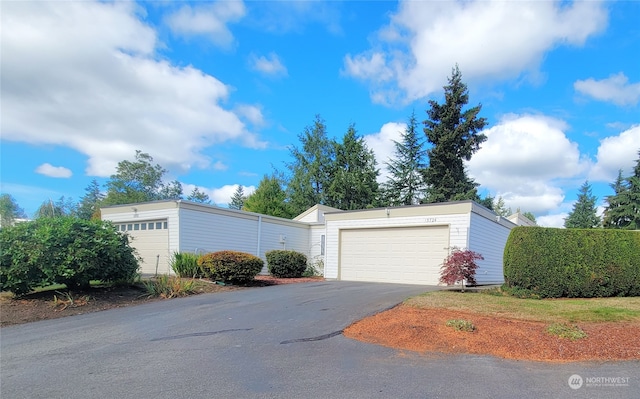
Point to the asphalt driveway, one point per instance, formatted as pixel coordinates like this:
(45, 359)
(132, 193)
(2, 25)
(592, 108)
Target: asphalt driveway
(272, 342)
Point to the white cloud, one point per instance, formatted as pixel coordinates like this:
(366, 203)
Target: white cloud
(220, 196)
(616, 152)
(490, 40)
(555, 220)
(382, 145)
(53, 171)
(270, 65)
(209, 20)
(616, 89)
(69, 78)
(522, 160)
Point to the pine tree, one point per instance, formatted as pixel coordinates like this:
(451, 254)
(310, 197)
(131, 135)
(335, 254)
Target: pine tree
(199, 196)
(584, 213)
(237, 200)
(311, 168)
(500, 208)
(353, 183)
(454, 134)
(405, 185)
(89, 204)
(623, 210)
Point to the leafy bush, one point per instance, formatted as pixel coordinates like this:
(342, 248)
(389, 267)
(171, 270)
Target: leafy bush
(286, 264)
(553, 263)
(185, 264)
(461, 325)
(567, 331)
(63, 250)
(166, 286)
(461, 266)
(314, 268)
(230, 266)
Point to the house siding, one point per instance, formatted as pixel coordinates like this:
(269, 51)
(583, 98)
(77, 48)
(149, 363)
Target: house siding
(488, 237)
(458, 232)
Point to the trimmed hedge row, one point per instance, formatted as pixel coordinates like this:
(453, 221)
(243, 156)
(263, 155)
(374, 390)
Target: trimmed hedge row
(286, 264)
(63, 250)
(230, 266)
(555, 263)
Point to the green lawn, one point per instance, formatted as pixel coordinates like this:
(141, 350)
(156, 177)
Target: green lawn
(546, 310)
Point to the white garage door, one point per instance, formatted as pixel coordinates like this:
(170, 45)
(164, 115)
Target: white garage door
(407, 255)
(151, 240)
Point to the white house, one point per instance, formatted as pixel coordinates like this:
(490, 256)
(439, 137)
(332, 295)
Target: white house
(399, 245)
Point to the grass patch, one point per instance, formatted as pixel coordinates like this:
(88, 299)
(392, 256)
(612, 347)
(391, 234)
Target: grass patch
(547, 310)
(461, 325)
(567, 331)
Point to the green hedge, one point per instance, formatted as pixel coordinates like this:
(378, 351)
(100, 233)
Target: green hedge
(286, 264)
(554, 263)
(63, 250)
(230, 266)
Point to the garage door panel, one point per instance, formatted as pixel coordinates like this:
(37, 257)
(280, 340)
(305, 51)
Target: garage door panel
(410, 255)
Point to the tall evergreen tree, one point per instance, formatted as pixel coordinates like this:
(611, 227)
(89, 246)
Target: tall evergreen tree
(89, 204)
(269, 199)
(311, 168)
(584, 213)
(140, 181)
(405, 185)
(623, 210)
(353, 184)
(454, 134)
(500, 208)
(237, 200)
(199, 196)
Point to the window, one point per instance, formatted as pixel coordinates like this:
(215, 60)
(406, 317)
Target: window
(164, 225)
(158, 225)
(322, 244)
(136, 226)
(151, 226)
(143, 226)
(129, 227)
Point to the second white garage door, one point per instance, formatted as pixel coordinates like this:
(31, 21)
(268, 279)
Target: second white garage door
(407, 255)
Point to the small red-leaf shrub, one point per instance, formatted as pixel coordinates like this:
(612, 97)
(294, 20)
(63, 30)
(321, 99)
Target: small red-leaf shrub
(461, 266)
(230, 266)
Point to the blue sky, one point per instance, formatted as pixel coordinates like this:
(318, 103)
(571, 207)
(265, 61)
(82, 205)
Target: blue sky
(216, 92)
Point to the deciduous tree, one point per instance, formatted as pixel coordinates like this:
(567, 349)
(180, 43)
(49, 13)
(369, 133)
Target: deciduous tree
(140, 181)
(62, 207)
(269, 199)
(460, 266)
(455, 136)
(9, 210)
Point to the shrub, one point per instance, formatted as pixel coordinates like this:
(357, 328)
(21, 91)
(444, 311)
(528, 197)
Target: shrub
(230, 266)
(63, 250)
(553, 263)
(567, 331)
(166, 286)
(286, 264)
(185, 264)
(461, 325)
(461, 266)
